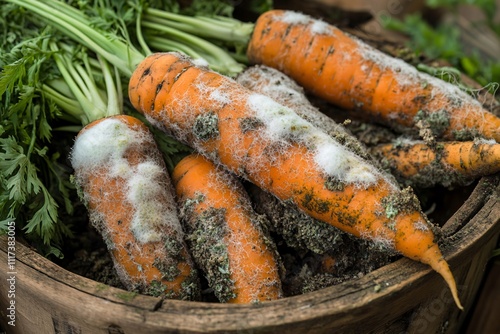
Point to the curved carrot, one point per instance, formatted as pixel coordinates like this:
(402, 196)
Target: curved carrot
(349, 73)
(447, 163)
(126, 189)
(226, 238)
(270, 145)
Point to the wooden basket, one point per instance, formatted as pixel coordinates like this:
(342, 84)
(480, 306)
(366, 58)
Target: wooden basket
(404, 296)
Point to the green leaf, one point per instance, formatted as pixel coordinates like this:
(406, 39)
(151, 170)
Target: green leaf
(45, 217)
(28, 166)
(18, 172)
(261, 6)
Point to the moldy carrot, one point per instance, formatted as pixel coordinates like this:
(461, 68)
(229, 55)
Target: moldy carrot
(225, 234)
(125, 186)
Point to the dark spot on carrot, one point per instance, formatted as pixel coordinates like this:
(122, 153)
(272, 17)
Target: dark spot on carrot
(312, 203)
(404, 202)
(157, 289)
(287, 31)
(206, 126)
(421, 99)
(128, 245)
(189, 286)
(168, 270)
(308, 48)
(466, 134)
(205, 235)
(158, 87)
(437, 122)
(174, 247)
(250, 124)
(146, 72)
(180, 73)
(334, 184)
(320, 70)
(265, 32)
(298, 229)
(346, 218)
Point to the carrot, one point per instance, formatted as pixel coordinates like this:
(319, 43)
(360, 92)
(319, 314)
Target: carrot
(447, 163)
(126, 189)
(270, 145)
(353, 75)
(225, 234)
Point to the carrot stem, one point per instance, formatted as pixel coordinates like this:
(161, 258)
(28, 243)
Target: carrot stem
(63, 16)
(220, 28)
(222, 59)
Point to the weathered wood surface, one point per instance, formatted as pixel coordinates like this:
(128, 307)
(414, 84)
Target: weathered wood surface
(403, 296)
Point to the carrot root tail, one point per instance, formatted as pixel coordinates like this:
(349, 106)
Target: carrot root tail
(440, 265)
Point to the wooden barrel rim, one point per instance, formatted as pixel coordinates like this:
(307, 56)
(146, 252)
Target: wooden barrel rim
(340, 304)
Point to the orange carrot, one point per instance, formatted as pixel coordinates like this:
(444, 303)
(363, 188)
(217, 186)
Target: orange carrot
(270, 145)
(349, 73)
(225, 235)
(127, 191)
(447, 163)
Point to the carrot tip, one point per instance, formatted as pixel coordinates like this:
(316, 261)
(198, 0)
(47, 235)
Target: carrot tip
(435, 259)
(448, 277)
(454, 292)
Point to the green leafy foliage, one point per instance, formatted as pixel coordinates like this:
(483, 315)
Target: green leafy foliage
(35, 190)
(32, 187)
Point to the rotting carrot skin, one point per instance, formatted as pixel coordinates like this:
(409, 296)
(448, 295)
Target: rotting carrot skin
(284, 90)
(126, 189)
(351, 74)
(268, 144)
(226, 238)
(448, 163)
